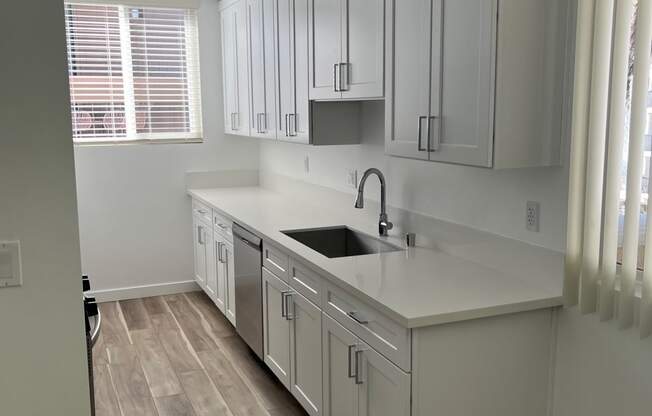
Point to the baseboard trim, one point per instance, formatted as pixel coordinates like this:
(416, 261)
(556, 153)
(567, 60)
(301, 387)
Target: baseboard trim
(134, 292)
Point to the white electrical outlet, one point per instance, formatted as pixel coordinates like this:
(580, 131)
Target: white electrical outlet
(352, 178)
(10, 264)
(532, 209)
(306, 165)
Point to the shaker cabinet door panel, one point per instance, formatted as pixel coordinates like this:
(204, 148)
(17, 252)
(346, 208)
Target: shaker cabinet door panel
(276, 327)
(363, 49)
(200, 252)
(407, 105)
(383, 389)
(229, 291)
(306, 354)
(464, 129)
(260, 25)
(235, 68)
(325, 33)
(340, 393)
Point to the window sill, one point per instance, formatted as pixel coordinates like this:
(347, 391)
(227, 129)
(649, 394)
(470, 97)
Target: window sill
(137, 142)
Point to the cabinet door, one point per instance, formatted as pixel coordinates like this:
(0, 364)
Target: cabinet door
(220, 274)
(463, 132)
(260, 22)
(229, 290)
(276, 327)
(383, 388)
(229, 69)
(363, 49)
(292, 118)
(340, 393)
(236, 68)
(211, 264)
(200, 253)
(305, 354)
(407, 105)
(325, 46)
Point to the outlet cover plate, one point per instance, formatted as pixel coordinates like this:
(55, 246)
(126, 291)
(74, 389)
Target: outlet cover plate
(10, 264)
(532, 212)
(352, 178)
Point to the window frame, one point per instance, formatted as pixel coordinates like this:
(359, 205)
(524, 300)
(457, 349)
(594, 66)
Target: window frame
(193, 83)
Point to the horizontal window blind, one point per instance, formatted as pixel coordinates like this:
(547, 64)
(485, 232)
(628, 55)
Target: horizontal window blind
(134, 73)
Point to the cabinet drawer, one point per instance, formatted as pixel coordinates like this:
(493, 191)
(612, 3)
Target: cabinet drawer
(276, 260)
(223, 225)
(306, 281)
(382, 333)
(202, 211)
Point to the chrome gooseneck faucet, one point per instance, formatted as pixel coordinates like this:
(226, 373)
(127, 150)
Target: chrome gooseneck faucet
(383, 223)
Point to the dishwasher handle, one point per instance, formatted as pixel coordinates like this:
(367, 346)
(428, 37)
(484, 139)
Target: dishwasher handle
(247, 237)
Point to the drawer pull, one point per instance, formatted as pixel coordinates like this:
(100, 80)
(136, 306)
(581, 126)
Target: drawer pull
(358, 375)
(202, 211)
(222, 226)
(354, 315)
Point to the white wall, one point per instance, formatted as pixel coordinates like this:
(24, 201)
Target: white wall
(488, 200)
(135, 220)
(43, 368)
(601, 370)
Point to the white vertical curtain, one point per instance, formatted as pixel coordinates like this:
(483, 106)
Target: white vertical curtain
(605, 30)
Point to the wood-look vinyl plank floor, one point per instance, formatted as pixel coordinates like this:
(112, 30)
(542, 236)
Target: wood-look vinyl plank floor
(177, 355)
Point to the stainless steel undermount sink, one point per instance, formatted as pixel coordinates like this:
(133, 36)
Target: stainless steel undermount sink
(340, 241)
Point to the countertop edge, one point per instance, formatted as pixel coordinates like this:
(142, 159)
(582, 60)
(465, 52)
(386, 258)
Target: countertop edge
(411, 323)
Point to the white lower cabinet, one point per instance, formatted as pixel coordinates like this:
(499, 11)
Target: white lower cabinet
(305, 353)
(229, 281)
(201, 250)
(358, 381)
(293, 341)
(225, 286)
(340, 396)
(276, 327)
(220, 275)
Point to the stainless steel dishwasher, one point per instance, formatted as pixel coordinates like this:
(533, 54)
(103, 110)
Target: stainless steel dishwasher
(247, 255)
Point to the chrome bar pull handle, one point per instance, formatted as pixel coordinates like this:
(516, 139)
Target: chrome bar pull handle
(344, 76)
(437, 133)
(419, 122)
(288, 301)
(286, 125)
(358, 373)
(283, 310)
(292, 117)
(351, 372)
(200, 235)
(335, 83)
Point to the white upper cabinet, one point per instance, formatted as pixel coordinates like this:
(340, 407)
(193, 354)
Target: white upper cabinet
(235, 69)
(408, 80)
(291, 70)
(260, 26)
(346, 49)
(466, 87)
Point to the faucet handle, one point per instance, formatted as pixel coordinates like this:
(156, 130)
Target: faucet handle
(389, 225)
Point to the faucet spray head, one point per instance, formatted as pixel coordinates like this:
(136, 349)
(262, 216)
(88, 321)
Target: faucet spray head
(359, 201)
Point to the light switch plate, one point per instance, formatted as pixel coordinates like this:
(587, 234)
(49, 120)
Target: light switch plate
(10, 264)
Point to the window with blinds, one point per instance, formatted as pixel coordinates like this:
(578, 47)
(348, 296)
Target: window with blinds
(134, 73)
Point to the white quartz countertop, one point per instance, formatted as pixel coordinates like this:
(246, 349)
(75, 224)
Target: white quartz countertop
(417, 286)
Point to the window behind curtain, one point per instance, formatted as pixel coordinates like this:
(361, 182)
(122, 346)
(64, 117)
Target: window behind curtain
(134, 73)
